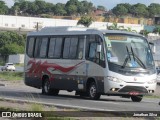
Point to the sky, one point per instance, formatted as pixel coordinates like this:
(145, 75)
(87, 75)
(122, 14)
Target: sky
(108, 4)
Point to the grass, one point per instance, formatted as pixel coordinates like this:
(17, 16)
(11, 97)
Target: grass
(2, 63)
(152, 96)
(36, 107)
(20, 64)
(7, 109)
(11, 76)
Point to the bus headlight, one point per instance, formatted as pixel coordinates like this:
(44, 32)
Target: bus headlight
(152, 81)
(114, 79)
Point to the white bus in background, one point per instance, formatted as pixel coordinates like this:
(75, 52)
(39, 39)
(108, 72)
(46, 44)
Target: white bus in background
(89, 61)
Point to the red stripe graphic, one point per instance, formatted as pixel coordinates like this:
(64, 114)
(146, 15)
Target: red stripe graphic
(38, 67)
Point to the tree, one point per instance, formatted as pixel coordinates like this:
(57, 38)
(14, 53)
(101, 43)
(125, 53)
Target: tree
(3, 8)
(41, 5)
(154, 9)
(85, 8)
(15, 10)
(139, 10)
(59, 9)
(85, 20)
(157, 30)
(120, 10)
(49, 7)
(11, 43)
(71, 7)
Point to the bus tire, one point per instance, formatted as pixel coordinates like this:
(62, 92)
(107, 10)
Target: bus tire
(92, 91)
(47, 90)
(136, 98)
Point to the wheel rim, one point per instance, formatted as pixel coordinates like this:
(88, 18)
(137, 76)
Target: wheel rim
(46, 86)
(92, 91)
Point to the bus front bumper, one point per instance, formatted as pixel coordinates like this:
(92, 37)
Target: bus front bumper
(130, 89)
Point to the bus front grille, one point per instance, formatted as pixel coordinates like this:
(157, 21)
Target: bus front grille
(133, 88)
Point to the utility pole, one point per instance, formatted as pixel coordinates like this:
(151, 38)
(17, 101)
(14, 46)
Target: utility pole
(38, 25)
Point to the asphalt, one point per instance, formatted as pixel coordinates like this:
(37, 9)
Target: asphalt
(66, 99)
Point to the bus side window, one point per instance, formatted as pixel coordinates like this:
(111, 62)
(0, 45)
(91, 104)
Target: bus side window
(73, 48)
(55, 47)
(36, 48)
(67, 43)
(101, 54)
(30, 46)
(93, 55)
(102, 50)
(43, 47)
(92, 52)
(80, 48)
(70, 48)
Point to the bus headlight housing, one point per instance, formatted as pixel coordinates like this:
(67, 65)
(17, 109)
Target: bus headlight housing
(152, 81)
(114, 79)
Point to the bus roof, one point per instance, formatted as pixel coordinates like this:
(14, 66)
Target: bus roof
(71, 30)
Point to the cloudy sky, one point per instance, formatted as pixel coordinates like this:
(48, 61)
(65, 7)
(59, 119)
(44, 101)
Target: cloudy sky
(109, 4)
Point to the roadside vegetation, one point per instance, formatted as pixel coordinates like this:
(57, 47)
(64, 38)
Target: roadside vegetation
(152, 96)
(11, 43)
(42, 8)
(11, 76)
(35, 107)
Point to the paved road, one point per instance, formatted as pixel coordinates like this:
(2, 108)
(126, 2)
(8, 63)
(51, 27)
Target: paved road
(106, 103)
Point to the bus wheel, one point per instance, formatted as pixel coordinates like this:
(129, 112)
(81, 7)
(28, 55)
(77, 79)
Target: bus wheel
(136, 98)
(47, 90)
(92, 91)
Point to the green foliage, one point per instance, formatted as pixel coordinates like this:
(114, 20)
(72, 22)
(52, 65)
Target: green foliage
(85, 7)
(11, 43)
(85, 20)
(76, 7)
(72, 7)
(144, 32)
(11, 76)
(139, 10)
(157, 29)
(11, 49)
(130, 30)
(3, 8)
(120, 10)
(36, 107)
(37, 7)
(154, 9)
(115, 26)
(59, 9)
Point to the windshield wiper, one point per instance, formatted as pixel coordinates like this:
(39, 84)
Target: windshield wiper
(132, 53)
(126, 59)
(135, 58)
(139, 61)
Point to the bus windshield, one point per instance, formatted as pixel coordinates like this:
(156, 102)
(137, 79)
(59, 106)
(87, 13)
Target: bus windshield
(128, 51)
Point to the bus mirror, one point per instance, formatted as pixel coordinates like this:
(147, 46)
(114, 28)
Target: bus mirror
(99, 48)
(153, 47)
